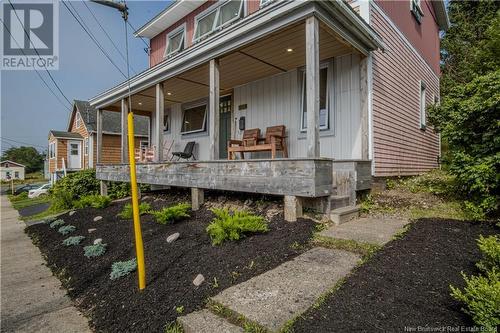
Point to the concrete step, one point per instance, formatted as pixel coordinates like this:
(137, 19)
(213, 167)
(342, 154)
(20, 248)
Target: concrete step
(205, 321)
(278, 295)
(344, 214)
(339, 201)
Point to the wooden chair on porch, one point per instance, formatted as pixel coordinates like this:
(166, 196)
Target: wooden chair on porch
(250, 138)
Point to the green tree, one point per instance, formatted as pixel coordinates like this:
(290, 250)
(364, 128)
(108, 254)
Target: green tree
(28, 156)
(468, 117)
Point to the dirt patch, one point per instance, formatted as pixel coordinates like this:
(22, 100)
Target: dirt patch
(117, 306)
(406, 284)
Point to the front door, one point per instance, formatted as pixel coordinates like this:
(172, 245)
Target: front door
(224, 125)
(74, 154)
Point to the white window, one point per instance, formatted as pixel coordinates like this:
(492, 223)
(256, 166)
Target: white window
(74, 149)
(416, 9)
(52, 150)
(194, 119)
(422, 105)
(324, 98)
(175, 41)
(77, 120)
(86, 145)
(16, 174)
(216, 18)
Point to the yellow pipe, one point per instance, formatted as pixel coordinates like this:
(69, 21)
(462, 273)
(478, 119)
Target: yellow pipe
(139, 248)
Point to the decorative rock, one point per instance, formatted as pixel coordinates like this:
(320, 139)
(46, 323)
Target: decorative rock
(98, 241)
(248, 202)
(97, 218)
(173, 237)
(71, 213)
(91, 230)
(146, 197)
(198, 280)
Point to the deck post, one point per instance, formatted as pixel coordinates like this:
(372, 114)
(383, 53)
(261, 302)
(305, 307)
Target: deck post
(312, 86)
(364, 106)
(292, 208)
(158, 123)
(197, 198)
(214, 109)
(124, 113)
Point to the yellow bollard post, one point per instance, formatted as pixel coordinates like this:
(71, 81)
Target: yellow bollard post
(139, 248)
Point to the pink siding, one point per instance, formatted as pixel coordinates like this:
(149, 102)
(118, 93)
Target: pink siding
(400, 146)
(425, 36)
(252, 6)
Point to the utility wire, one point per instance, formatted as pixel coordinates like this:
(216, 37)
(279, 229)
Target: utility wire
(106, 33)
(32, 45)
(142, 39)
(7, 140)
(36, 71)
(93, 39)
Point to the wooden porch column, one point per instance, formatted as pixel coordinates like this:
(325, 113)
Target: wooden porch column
(99, 137)
(364, 104)
(213, 107)
(158, 123)
(124, 145)
(312, 86)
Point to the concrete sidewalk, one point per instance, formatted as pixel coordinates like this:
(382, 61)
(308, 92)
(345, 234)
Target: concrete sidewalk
(32, 299)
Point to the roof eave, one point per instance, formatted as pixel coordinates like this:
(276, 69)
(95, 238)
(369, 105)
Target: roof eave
(443, 20)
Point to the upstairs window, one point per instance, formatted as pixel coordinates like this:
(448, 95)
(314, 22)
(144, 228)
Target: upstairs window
(423, 120)
(265, 2)
(216, 18)
(324, 96)
(77, 120)
(416, 10)
(175, 41)
(194, 119)
(52, 150)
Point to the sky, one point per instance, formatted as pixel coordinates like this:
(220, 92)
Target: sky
(28, 108)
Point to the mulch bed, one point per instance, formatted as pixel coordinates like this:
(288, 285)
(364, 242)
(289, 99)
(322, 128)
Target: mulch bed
(118, 306)
(406, 284)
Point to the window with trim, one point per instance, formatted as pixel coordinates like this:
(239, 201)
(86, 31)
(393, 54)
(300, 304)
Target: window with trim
(422, 105)
(77, 120)
(416, 10)
(265, 2)
(86, 145)
(16, 174)
(324, 98)
(175, 41)
(194, 119)
(52, 150)
(216, 18)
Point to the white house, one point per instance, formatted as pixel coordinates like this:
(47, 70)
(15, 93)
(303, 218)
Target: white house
(11, 170)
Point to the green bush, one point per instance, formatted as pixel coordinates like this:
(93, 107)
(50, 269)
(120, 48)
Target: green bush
(117, 190)
(233, 225)
(122, 268)
(481, 294)
(173, 213)
(56, 223)
(95, 250)
(66, 229)
(73, 186)
(19, 197)
(437, 182)
(73, 240)
(94, 201)
(127, 212)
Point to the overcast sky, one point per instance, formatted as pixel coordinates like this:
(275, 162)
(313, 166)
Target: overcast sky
(29, 110)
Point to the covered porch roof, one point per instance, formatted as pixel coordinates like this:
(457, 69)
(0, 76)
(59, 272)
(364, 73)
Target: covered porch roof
(268, 42)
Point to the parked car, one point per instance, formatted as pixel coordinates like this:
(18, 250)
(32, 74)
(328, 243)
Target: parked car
(26, 188)
(42, 190)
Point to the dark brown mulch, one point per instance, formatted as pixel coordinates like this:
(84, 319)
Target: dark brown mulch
(406, 284)
(117, 306)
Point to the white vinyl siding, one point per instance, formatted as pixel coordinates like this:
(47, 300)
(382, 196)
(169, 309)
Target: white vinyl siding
(216, 18)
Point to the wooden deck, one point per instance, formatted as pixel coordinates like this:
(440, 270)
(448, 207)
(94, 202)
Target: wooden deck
(290, 177)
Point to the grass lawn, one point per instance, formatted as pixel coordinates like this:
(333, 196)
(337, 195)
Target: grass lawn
(18, 204)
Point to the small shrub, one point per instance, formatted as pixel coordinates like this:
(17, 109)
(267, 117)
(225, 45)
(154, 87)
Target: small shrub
(127, 212)
(74, 240)
(179, 309)
(233, 225)
(49, 220)
(19, 197)
(56, 223)
(95, 250)
(64, 230)
(173, 213)
(490, 249)
(122, 268)
(94, 201)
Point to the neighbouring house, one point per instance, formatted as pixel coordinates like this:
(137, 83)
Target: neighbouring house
(75, 149)
(347, 84)
(10, 170)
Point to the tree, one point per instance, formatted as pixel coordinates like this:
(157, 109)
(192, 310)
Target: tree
(468, 117)
(28, 156)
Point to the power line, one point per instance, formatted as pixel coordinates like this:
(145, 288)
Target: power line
(36, 71)
(142, 39)
(20, 142)
(93, 38)
(31, 42)
(105, 32)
